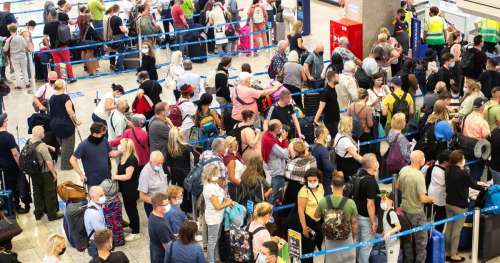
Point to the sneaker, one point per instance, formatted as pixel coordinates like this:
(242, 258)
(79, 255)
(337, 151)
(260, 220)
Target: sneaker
(55, 217)
(132, 237)
(72, 81)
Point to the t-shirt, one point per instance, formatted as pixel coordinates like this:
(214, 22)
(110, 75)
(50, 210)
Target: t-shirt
(100, 110)
(151, 182)
(368, 189)
(175, 218)
(117, 123)
(393, 217)
(350, 209)
(95, 160)
(217, 14)
(342, 143)
(294, 42)
(292, 74)
(315, 63)
(152, 89)
(177, 13)
(114, 257)
(188, 110)
(50, 29)
(331, 113)
(159, 234)
(312, 200)
(42, 155)
(114, 23)
(259, 237)
(284, 114)
(213, 216)
(412, 185)
(492, 114)
(475, 126)
(46, 91)
(7, 142)
(389, 101)
(184, 253)
(158, 135)
(248, 96)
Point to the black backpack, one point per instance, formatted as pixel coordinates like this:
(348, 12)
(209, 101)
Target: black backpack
(236, 133)
(63, 33)
(427, 142)
(468, 62)
(4, 32)
(28, 161)
(351, 189)
(400, 105)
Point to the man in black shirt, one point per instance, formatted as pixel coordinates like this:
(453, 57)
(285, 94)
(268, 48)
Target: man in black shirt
(159, 231)
(103, 240)
(479, 58)
(150, 87)
(444, 71)
(366, 203)
(283, 111)
(489, 78)
(118, 31)
(329, 105)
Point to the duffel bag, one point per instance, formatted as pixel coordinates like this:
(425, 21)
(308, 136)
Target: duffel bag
(69, 191)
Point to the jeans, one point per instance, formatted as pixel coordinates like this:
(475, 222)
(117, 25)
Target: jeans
(67, 149)
(364, 234)
(344, 256)
(148, 208)
(495, 175)
(420, 240)
(212, 243)
(166, 14)
(92, 249)
(179, 39)
(20, 64)
(62, 56)
(453, 229)
(277, 184)
(130, 204)
(98, 27)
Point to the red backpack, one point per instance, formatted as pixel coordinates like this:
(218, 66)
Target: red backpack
(142, 105)
(175, 114)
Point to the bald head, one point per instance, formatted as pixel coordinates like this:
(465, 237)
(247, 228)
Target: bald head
(38, 132)
(123, 105)
(156, 158)
(319, 48)
(417, 158)
(344, 42)
(282, 45)
(95, 192)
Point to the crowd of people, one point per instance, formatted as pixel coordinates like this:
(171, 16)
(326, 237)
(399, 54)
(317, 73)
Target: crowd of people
(218, 160)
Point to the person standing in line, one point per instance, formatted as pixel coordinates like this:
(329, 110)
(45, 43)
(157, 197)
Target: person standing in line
(185, 249)
(94, 217)
(411, 183)
(55, 249)
(159, 231)
(118, 32)
(104, 242)
(152, 180)
(329, 105)
(435, 31)
(117, 122)
(158, 130)
(16, 48)
(180, 23)
(97, 8)
(257, 16)
(292, 77)
(107, 104)
(313, 67)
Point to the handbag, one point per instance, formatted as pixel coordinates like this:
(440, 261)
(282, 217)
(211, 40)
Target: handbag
(8, 228)
(69, 191)
(42, 101)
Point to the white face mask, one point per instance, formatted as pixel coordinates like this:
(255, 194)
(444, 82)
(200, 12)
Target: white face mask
(452, 64)
(466, 90)
(145, 50)
(328, 138)
(101, 200)
(167, 208)
(157, 169)
(261, 258)
(312, 185)
(383, 206)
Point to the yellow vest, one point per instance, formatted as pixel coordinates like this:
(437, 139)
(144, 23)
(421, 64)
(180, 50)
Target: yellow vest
(435, 34)
(489, 29)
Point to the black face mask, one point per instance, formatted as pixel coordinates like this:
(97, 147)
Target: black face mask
(95, 140)
(320, 54)
(62, 251)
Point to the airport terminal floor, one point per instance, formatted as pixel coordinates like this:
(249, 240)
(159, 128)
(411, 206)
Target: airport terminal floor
(31, 244)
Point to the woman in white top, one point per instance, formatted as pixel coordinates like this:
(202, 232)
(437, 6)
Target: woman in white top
(346, 150)
(437, 186)
(42, 95)
(176, 68)
(216, 18)
(188, 108)
(107, 104)
(56, 248)
(376, 94)
(261, 216)
(289, 8)
(216, 201)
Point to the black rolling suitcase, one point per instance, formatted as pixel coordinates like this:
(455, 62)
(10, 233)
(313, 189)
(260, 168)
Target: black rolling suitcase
(197, 51)
(311, 104)
(489, 237)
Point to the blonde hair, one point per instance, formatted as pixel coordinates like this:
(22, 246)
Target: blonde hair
(384, 30)
(208, 172)
(345, 125)
(300, 149)
(296, 28)
(128, 149)
(472, 84)
(439, 112)
(175, 142)
(54, 241)
(382, 37)
(262, 209)
(252, 171)
(230, 141)
(59, 84)
(173, 191)
(398, 121)
(176, 58)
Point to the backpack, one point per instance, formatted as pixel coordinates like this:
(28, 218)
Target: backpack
(272, 70)
(400, 105)
(236, 133)
(336, 225)
(402, 217)
(241, 243)
(468, 62)
(74, 225)
(493, 198)
(192, 183)
(427, 142)
(28, 161)
(394, 159)
(63, 33)
(131, 22)
(175, 114)
(351, 189)
(4, 32)
(357, 127)
(258, 15)
(208, 128)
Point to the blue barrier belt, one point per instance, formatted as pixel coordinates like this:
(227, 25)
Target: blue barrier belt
(283, 207)
(424, 227)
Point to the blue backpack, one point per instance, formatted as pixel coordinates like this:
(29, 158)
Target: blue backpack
(192, 183)
(493, 198)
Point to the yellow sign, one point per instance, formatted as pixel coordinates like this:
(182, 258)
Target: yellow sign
(294, 243)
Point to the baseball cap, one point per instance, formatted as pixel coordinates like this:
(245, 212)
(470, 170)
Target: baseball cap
(396, 81)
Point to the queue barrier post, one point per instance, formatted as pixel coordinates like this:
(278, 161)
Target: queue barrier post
(32, 71)
(139, 46)
(394, 190)
(475, 235)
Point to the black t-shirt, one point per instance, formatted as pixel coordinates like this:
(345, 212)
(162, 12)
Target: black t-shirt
(50, 29)
(182, 162)
(7, 142)
(129, 186)
(114, 23)
(159, 233)
(368, 189)
(495, 149)
(152, 89)
(114, 257)
(63, 17)
(294, 43)
(489, 79)
(445, 76)
(284, 114)
(331, 112)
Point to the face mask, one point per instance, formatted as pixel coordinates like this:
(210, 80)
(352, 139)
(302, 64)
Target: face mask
(145, 50)
(101, 200)
(402, 18)
(466, 90)
(261, 258)
(178, 202)
(157, 169)
(452, 64)
(328, 138)
(214, 178)
(95, 140)
(320, 54)
(312, 185)
(62, 251)
(167, 208)
(383, 206)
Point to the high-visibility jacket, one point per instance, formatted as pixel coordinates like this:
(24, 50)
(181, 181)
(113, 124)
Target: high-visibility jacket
(489, 29)
(408, 17)
(435, 31)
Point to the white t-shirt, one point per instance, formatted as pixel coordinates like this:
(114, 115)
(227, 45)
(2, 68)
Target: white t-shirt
(48, 89)
(342, 145)
(117, 123)
(187, 108)
(217, 15)
(437, 187)
(213, 216)
(394, 220)
(288, 7)
(100, 111)
(50, 259)
(239, 169)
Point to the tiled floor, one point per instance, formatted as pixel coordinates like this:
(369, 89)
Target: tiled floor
(31, 244)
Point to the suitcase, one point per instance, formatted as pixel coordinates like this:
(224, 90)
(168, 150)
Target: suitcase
(280, 31)
(311, 104)
(379, 254)
(489, 237)
(198, 51)
(7, 199)
(435, 247)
